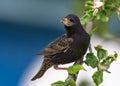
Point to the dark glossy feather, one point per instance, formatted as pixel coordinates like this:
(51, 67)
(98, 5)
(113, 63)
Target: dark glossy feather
(59, 45)
(45, 65)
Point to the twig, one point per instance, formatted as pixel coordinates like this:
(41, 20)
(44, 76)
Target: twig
(88, 29)
(90, 48)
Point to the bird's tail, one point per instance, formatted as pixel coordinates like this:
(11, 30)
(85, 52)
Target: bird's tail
(46, 64)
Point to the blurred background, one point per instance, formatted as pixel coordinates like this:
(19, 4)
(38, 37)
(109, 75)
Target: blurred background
(27, 26)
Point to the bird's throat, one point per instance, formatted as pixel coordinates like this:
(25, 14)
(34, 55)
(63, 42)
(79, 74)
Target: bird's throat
(71, 31)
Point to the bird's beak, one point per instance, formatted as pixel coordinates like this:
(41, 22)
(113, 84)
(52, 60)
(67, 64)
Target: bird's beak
(66, 22)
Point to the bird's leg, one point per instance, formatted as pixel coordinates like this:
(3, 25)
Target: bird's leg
(59, 68)
(79, 61)
(74, 76)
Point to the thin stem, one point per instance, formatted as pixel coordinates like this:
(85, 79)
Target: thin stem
(90, 48)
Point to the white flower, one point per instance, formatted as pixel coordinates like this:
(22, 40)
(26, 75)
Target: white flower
(98, 4)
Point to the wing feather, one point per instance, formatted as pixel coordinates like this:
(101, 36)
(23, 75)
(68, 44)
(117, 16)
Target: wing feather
(59, 45)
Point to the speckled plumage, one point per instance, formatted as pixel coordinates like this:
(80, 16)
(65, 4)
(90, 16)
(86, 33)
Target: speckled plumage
(70, 47)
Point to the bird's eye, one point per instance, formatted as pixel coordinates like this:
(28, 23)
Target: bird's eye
(71, 20)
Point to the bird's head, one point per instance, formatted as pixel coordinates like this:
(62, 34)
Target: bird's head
(70, 20)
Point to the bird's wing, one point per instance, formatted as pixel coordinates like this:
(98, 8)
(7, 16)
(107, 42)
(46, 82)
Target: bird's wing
(59, 45)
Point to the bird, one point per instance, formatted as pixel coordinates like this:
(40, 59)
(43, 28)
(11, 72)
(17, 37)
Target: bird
(69, 47)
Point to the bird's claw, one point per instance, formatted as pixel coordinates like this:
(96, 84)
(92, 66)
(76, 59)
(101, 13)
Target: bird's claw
(60, 68)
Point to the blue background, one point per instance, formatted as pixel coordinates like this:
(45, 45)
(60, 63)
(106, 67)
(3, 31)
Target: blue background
(26, 27)
(18, 46)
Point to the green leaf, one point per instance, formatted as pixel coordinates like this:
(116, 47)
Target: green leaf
(104, 18)
(98, 77)
(112, 57)
(91, 60)
(103, 66)
(101, 53)
(70, 82)
(98, 47)
(59, 83)
(95, 12)
(110, 5)
(106, 62)
(116, 55)
(75, 69)
(86, 18)
(89, 3)
(98, 17)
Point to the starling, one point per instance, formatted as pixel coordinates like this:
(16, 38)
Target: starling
(70, 47)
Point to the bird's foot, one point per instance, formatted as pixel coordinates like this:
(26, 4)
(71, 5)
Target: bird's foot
(79, 61)
(60, 68)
